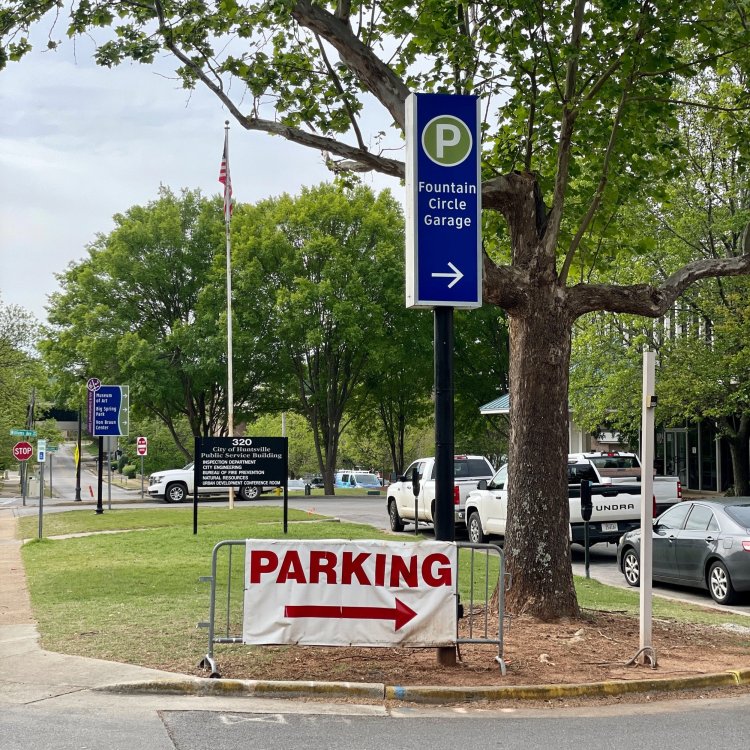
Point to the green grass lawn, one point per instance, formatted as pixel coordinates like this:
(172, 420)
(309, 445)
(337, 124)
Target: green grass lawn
(135, 597)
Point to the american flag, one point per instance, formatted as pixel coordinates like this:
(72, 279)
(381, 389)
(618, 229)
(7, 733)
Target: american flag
(225, 178)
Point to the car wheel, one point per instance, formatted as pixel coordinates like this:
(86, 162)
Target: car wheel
(176, 493)
(249, 492)
(476, 532)
(631, 568)
(720, 584)
(397, 523)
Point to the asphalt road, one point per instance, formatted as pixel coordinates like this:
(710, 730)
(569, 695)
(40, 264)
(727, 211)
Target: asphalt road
(95, 721)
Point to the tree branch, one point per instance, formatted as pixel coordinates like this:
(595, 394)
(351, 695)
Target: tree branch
(372, 72)
(361, 156)
(505, 286)
(564, 143)
(594, 207)
(651, 301)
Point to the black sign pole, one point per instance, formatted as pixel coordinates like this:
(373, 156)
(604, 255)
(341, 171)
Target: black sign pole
(445, 529)
(286, 483)
(196, 464)
(100, 477)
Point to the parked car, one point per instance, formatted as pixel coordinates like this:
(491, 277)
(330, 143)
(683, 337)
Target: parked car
(295, 484)
(616, 467)
(615, 508)
(176, 485)
(467, 472)
(700, 543)
(360, 480)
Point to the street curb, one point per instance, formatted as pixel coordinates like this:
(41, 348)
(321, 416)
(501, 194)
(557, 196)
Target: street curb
(434, 694)
(256, 688)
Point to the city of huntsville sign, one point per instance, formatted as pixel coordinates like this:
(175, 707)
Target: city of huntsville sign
(350, 593)
(444, 201)
(238, 461)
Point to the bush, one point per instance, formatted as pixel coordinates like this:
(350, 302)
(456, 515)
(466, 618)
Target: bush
(121, 463)
(129, 471)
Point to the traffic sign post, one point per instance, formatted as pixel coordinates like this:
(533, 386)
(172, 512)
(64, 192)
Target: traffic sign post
(141, 448)
(443, 255)
(108, 416)
(22, 452)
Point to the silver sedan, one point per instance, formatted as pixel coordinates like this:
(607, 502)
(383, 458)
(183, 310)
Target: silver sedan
(700, 543)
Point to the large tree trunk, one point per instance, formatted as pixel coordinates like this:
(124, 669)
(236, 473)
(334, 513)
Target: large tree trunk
(740, 453)
(536, 543)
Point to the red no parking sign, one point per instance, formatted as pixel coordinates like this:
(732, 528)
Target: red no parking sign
(141, 446)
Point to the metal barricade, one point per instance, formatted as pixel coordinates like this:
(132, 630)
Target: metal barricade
(474, 590)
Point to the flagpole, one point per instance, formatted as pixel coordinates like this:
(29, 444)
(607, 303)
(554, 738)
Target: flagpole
(227, 218)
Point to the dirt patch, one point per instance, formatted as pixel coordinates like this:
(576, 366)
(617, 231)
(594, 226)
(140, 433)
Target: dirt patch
(599, 646)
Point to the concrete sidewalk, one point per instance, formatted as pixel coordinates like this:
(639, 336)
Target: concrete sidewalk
(29, 672)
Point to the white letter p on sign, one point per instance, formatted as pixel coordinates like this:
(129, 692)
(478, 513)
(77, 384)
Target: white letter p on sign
(446, 136)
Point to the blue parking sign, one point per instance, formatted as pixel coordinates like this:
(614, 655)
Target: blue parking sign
(444, 201)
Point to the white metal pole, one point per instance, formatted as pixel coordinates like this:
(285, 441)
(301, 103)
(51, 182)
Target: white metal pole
(227, 220)
(647, 654)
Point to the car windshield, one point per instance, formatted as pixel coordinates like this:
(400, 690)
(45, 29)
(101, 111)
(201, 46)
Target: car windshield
(189, 466)
(366, 479)
(615, 462)
(740, 514)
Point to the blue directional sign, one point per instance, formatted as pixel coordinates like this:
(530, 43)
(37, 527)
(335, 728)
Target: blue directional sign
(109, 410)
(444, 201)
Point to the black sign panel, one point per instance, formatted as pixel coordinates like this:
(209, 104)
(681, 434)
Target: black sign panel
(237, 461)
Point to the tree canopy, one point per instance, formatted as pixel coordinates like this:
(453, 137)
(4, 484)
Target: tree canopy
(20, 374)
(144, 308)
(579, 100)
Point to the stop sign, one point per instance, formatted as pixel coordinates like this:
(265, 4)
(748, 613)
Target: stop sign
(22, 451)
(141, 446)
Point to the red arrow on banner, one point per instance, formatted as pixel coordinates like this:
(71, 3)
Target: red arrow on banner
(400, 614)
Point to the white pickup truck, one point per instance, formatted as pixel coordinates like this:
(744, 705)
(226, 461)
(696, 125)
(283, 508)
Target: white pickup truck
(401, 503)
(616, 509)
(616, 467)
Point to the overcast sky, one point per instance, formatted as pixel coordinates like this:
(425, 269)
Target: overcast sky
(79, 143)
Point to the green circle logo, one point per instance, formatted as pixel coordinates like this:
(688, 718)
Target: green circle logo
(446, 140)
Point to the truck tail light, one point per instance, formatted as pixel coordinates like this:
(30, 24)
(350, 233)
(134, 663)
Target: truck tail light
(679, 490)
(746, 545)
(456, 495)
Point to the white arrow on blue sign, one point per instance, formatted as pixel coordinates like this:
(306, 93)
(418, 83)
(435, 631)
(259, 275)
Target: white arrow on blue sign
(444, 201)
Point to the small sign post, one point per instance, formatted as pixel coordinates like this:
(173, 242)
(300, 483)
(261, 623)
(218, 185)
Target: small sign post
(108, 416)
(41, 456)
(22, 452)
(141, 448)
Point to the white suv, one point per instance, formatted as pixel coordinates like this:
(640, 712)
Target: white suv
(174, 485)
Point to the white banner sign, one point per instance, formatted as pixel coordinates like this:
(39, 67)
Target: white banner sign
(350, 593)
